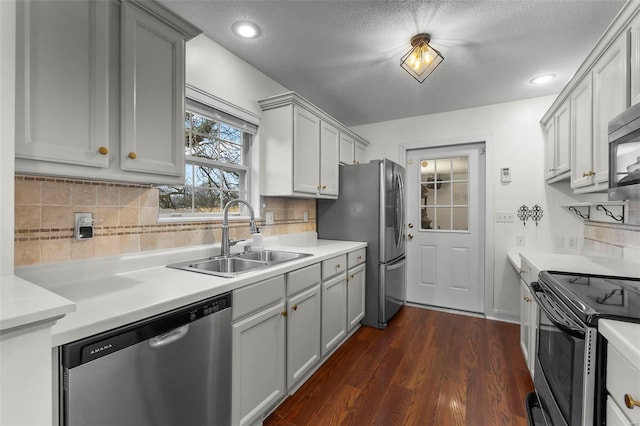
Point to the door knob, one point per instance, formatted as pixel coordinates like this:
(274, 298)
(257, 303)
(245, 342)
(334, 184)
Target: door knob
(410, 236)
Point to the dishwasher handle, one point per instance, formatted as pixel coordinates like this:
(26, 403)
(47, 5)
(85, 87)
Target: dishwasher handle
(169, 337)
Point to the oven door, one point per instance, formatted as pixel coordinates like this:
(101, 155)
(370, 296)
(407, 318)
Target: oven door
(560, 361)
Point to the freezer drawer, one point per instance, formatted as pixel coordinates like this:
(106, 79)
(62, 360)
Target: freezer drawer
(392, 288)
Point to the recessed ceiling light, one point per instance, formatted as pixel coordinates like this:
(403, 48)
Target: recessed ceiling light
(542, 79)
(246, 29)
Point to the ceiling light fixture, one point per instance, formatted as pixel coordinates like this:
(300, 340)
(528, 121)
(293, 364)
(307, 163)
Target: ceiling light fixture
(422, 59)
(246, 29)
(542, 79)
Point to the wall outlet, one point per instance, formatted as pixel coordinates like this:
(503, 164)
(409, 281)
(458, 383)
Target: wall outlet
(572, 243)
(506, 217)
(305, 216)
(269, 218)
(520, 240)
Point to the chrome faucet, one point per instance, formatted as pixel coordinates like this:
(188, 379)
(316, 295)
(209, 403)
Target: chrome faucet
(226, 242)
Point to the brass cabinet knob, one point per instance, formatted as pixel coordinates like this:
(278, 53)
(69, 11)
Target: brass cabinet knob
(283, 313)
(324, 186)
(359, 257)
(410, 236)
(338, 266)
(319, 186)
(132, 155)
(294, 307)
(103, 150)
(630, 402)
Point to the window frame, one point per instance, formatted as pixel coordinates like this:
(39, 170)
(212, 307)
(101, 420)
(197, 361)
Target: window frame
(248, 136)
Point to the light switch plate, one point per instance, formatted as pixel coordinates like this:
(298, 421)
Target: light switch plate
(520, 240)
(269, 218)
(506, 217)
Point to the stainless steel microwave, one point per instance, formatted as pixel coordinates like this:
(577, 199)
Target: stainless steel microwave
(624, 155)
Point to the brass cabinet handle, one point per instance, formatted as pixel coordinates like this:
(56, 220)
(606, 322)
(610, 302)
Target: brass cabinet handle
(283, 313)
(630, 402)
(410, 236)
(359, 257)
(294, 307)
(132, 155)
(589, 173)
(338, 266)
(103, 150)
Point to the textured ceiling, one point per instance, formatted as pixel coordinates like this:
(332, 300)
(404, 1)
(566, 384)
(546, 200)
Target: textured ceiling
(344, 56)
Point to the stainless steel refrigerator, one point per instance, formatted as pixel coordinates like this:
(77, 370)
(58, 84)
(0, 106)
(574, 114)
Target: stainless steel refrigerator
(371, 208)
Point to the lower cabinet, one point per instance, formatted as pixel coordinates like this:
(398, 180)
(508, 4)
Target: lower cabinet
(355, 296)
(258, 366)
(334, 312)
(529, 313)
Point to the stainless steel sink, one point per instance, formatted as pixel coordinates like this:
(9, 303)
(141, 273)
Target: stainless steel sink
(237, 264)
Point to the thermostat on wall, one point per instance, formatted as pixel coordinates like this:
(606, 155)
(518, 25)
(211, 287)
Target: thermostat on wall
(505, 175)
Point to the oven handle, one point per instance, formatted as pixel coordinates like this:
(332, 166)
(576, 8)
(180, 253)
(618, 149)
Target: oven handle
(558, 316)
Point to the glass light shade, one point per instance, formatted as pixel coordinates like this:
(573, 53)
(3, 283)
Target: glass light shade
(422, 59)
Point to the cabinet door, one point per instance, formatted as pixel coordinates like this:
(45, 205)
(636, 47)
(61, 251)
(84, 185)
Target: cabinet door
(152, 95)
(355, 296)
(581, 134)
(329, 161)
(360, 152)
(609, 100)
(634, 66)
(258, 371)
(525, 322)
(62, 58)
(334, 312)
(306, 151)
(549, 131)
(562, 152)
(303, 334)
(347, 148)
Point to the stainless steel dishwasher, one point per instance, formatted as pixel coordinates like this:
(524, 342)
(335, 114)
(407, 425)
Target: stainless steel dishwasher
(172, 369)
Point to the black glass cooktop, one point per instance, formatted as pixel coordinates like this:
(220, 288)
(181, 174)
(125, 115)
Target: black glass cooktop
(596, 296)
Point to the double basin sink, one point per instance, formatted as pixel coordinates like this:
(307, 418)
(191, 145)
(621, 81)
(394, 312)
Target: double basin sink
(237, 264)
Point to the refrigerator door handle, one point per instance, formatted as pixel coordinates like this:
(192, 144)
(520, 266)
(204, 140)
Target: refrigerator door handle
(399, 210)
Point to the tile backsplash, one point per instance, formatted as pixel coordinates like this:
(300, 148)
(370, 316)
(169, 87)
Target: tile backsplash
(616, 240)
(125, 220)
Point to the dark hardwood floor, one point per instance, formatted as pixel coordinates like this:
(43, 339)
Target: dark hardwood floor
(427, 368)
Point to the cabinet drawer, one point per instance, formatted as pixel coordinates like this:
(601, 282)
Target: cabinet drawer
(302, 279)
(258, 296)
(356, 257)
(623, 378)
(334, 266)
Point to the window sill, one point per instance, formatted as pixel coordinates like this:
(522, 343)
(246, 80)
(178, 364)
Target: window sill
(191, 219)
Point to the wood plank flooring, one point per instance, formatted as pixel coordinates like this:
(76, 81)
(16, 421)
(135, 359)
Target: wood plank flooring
(427, 368)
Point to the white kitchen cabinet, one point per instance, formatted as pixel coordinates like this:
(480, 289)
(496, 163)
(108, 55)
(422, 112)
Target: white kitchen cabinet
(360, 152)
(623, 378)
(609, 99)
(329, 159)
(355, 296)
(633, 34)
(558, 144)
(301, 148)
(153, 90)
(334, 313)
(81, 65)
(347, 149)
(581, 133)
(303, 323)
(529, 313)
(258, 367)
(62, 82)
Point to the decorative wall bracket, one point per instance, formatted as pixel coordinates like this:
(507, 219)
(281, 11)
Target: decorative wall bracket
(611, 211)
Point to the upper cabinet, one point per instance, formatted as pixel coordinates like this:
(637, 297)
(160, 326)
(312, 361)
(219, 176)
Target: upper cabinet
(101, 90)
(606, 84)
(301, 148)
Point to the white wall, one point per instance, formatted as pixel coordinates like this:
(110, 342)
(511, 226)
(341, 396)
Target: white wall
(514, 139)
(212, 68)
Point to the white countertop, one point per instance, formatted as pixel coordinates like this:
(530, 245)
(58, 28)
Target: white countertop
(625, 336)
(23, 303)
(599, 265)
(109, 293)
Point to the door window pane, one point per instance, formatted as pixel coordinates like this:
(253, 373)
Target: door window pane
(444, 194)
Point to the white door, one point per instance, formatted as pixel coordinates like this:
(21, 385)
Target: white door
(445, 235)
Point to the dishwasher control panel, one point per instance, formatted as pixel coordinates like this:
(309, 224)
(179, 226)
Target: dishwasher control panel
(91, 348)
